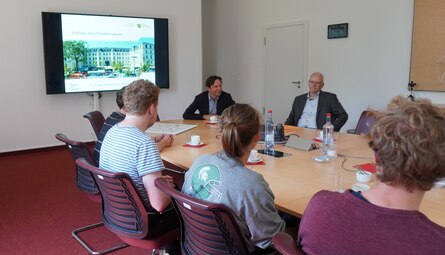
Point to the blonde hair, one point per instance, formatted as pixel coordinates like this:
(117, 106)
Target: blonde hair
(139, 95)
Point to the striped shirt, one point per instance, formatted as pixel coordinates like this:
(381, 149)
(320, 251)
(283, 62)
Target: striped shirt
(129, 150)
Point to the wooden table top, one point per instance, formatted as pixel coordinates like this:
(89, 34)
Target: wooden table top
(296, 178)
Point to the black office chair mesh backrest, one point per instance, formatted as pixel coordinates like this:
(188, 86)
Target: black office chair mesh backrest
(365, 123)
(84, 180)
(96, 119)
(122, 209)
(206, 228)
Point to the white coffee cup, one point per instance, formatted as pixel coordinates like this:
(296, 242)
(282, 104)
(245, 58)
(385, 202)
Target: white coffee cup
(320, 135)
(195, 139)
(254, 156)
(363, 176)
(213, 118)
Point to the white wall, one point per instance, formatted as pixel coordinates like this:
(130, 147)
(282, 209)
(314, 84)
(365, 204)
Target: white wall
(30, 118)
(365, 69)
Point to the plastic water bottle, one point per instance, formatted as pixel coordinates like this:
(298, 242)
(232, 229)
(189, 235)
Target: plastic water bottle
(269, 132)
(328, 139)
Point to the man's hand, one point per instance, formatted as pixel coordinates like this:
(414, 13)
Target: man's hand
(163, 141)
(169, 180)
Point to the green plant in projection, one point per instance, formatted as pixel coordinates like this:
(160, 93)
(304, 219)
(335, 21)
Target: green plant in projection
(144, 68)
(118, 66)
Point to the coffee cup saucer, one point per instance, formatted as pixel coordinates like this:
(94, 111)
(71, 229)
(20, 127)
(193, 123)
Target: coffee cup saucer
(194, 144)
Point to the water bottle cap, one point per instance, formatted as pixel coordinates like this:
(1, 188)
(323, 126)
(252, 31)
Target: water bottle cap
(328, 114)
(269, 111)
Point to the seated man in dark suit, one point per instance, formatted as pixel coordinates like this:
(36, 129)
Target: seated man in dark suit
(211, 102)
(309, 110)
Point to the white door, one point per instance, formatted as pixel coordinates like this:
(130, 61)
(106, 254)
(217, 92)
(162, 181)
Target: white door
(286, 67)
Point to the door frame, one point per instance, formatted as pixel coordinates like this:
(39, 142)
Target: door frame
(305, 23)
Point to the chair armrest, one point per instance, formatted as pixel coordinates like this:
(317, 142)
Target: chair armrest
(286, 245)
(177, 175)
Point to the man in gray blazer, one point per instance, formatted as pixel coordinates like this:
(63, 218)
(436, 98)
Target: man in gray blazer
(309, 110)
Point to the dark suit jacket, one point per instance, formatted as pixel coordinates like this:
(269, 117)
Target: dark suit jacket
(201, 103)
(327, 102)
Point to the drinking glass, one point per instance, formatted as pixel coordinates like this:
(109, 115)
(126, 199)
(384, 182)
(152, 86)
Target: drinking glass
(337, 183)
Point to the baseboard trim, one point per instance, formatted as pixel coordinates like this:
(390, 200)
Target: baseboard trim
(43, 149)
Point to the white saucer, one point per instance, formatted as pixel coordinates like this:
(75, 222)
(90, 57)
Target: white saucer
(212, 121)
(360, 187)
(191, 144)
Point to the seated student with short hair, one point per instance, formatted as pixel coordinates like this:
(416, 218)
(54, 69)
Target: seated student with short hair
(162, 140)
(223, 178)
(126, 148)
(409, 148)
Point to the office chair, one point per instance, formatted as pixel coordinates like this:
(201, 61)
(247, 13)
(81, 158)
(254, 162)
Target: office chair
(96, 119)
(286, 245)
(124, 213)
(364, 125)
(206, 228)
(85, 182)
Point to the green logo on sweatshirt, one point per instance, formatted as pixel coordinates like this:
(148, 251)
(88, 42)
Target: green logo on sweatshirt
(206, 182)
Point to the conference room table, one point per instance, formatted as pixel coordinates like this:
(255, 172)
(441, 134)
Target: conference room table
(295, 178)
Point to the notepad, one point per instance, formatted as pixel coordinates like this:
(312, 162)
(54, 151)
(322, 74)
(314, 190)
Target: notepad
(169, 128)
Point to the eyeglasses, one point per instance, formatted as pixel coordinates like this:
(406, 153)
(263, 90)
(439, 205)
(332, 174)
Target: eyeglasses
(315, 82)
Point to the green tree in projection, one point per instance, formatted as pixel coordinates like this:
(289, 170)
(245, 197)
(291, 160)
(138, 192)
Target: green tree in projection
(75, 52)
(118, 66)
(144, 68)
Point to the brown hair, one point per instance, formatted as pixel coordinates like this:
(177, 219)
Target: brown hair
(409, 143)
(242, 123)
(211, 79)
(139, 95)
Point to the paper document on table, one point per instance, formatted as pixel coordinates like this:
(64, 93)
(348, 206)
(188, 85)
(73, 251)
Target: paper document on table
(169, 128)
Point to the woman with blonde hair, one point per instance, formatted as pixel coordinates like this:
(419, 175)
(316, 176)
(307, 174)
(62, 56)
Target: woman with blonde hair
(223, 178)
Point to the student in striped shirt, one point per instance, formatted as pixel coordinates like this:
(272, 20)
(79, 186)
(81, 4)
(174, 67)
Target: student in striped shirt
(162, 140)
(126, 148)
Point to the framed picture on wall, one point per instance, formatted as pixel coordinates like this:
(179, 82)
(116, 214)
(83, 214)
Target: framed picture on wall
(338, 31)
